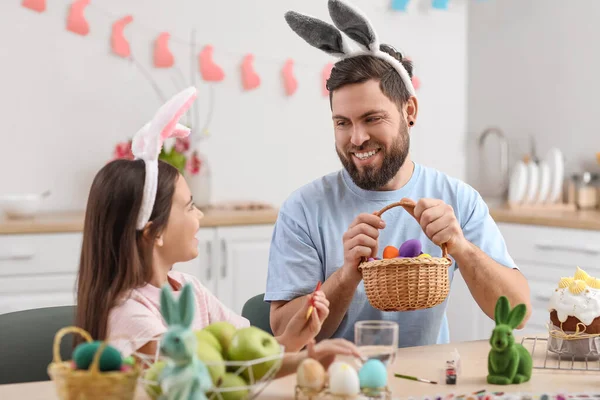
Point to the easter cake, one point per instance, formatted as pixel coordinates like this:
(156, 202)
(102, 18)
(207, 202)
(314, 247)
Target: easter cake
(575, 316)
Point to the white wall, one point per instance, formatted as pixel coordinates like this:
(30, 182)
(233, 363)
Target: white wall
(534, 70)
(67, 101)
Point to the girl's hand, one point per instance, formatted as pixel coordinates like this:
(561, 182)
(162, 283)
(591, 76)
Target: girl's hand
(301, 331)
(326, 350)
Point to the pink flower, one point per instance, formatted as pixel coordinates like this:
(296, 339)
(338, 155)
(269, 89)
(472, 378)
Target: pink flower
(193, 164)
(182, 145)
(123, 150)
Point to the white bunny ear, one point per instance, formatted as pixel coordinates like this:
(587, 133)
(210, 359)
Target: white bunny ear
(148, 141)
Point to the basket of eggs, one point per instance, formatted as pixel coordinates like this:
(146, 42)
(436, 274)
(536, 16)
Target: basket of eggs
(97, 370)
(406, 279)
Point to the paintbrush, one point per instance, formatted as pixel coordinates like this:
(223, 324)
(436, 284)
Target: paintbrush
(312, 302)
(414, 378)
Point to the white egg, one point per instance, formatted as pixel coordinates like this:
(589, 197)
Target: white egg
(343, 380)
(311, 375)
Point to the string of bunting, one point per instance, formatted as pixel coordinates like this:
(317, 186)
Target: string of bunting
(163, 58)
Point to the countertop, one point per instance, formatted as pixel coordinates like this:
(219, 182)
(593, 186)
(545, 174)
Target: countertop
(73, 221)
(582, 219)
(425, 362)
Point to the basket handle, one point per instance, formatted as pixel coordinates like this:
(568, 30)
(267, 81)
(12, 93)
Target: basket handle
(409, 205)
(60, 334)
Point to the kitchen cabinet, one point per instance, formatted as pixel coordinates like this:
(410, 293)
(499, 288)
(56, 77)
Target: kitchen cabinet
(40, 270)
(544, 255)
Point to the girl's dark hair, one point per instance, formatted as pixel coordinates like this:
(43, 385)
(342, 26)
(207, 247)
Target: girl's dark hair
(115, 256)
(362, 68)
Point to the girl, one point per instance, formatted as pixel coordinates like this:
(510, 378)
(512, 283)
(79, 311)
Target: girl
(140, 220)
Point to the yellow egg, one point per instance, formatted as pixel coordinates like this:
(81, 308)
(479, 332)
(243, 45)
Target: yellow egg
(424, 255)
(311, 375)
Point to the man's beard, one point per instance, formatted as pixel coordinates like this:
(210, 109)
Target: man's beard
(373, 178)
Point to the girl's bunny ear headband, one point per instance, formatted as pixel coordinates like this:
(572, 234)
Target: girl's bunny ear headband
(148, 141)
(355, 25)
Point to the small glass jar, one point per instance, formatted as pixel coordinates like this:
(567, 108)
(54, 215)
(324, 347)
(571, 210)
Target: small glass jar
(586, 190)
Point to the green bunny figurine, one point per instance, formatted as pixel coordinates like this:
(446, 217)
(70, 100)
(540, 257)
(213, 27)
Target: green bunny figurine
(508, 362)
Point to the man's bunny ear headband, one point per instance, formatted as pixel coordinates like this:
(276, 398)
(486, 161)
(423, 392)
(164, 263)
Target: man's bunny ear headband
(148, 141)
(355, 25)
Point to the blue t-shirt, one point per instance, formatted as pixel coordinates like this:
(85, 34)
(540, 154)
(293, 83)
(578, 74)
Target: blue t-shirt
(307, 243)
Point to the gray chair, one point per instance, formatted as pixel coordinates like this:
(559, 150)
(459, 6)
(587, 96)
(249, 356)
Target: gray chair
(258, 312)
(26, 339)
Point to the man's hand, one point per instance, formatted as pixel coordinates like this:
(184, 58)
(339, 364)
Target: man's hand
(360, 240)
(439, 223)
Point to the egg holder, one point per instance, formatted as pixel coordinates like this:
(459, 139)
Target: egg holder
(254, 386)
(324, 394)
(89, 384)
(406, 284)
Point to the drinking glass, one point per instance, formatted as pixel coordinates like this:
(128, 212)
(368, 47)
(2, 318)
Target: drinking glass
(377, 339)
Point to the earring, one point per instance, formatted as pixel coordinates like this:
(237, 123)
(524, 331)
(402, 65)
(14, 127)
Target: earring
(411, 123)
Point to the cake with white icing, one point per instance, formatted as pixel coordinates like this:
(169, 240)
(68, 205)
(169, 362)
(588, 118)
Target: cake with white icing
(575, 309)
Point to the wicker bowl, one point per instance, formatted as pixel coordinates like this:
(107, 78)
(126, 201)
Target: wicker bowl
(90, 384)
(405, 284)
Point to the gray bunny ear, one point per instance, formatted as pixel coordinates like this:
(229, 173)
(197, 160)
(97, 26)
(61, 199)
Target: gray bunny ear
(317, 33)
(353, 23)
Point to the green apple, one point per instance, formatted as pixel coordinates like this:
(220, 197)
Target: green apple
(204, 336)
(151, 374)
(253, 343)
(213, 360)
(233, 381)
(223, 331)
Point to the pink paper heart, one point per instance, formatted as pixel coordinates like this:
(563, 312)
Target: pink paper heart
(250, 79)
(208, 69)
(118, 43)
(76, 21)
(35, 5)
(325, 75)
(163, 58)
(416, 82)
(289, 81)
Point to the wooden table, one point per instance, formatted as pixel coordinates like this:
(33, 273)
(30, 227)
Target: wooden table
(425, 362)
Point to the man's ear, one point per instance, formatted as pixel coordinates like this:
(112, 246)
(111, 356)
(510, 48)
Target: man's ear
(411, 109)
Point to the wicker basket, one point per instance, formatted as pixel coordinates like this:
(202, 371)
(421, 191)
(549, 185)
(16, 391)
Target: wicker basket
(90, 384)
(405, 284)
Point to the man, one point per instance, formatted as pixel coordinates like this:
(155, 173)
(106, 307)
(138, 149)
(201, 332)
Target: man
(326, 227)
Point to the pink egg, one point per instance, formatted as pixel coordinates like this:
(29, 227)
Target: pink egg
(125, 368)
(371, 259)
(410, 248)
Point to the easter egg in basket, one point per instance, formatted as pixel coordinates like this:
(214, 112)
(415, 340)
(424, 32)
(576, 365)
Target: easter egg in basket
(390, 252)
(410, 248)
(110, 359)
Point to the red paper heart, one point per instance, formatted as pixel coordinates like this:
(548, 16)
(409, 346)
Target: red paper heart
(163, 58)
(35, 5)
(289, 80)
(250, 79)
(119, 44)
(208, 69)
(76, 21)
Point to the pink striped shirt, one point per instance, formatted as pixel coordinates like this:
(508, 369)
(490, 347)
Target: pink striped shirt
(137, 320)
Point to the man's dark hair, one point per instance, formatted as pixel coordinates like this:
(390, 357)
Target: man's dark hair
(359, 69)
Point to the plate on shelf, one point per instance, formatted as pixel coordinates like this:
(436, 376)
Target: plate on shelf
(518, 183)
(532, 182)
(554, 159)
(544, 182)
